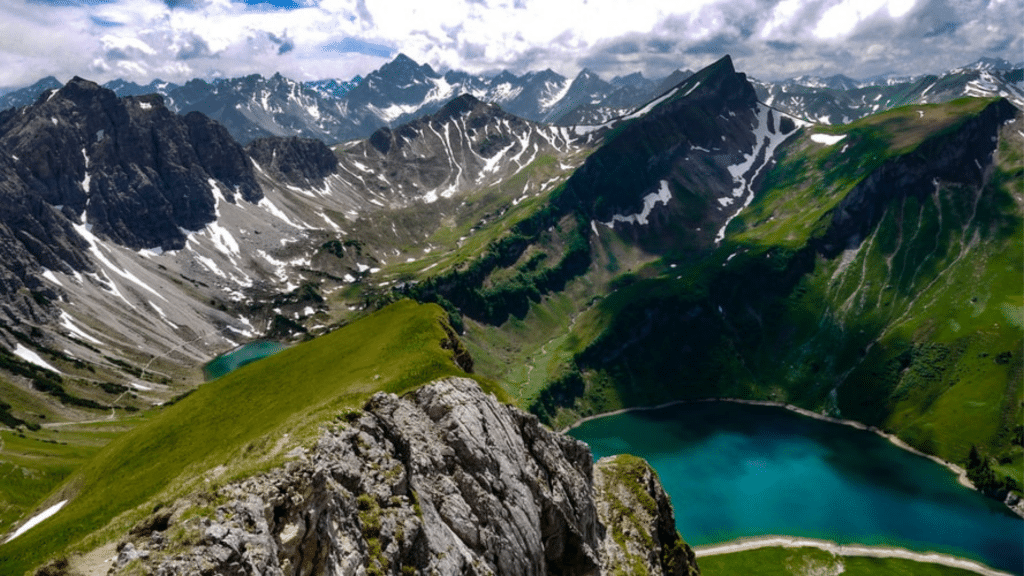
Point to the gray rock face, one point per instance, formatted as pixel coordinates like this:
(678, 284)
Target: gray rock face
(298, 161)
(466, 145)
(443, 481)
(130, 168)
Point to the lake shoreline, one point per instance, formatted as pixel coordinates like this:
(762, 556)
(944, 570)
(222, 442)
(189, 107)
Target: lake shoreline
(960, 473)
(745, 544)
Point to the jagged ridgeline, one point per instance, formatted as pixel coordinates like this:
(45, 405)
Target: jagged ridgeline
(716, 247)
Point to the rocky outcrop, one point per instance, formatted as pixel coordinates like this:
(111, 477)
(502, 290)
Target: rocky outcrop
(640, 535)
(445, 480)
(302, 162)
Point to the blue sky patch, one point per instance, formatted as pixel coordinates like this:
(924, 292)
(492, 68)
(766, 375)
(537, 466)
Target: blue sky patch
(359, 46)
(280, 4)
(71, 3)
(104, 23)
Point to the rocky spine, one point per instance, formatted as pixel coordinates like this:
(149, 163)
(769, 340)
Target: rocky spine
(443, 481)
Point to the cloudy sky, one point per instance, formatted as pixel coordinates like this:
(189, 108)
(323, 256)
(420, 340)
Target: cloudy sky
(176, 40)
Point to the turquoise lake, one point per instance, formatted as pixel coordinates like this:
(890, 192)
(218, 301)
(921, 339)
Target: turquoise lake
(241, 356)
(736, 471)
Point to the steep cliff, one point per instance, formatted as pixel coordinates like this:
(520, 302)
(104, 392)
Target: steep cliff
(445, 480)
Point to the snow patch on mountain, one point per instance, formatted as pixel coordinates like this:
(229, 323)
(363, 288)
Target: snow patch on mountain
(766, 140)
(555, 92)
(276, 212)
(827, 139)
(68, 322)
(662, 196)
(49, 275)
(650, 105)
(31, 357)
(35, 520)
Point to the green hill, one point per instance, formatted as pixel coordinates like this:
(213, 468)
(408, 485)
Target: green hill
(245, 422)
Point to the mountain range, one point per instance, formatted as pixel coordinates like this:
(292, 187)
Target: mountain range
(335, 110)
(704, 236)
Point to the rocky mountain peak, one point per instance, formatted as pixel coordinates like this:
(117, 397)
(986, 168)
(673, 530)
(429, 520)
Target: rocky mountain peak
(504, 76)
(404, 70)
(634, 79)
(721, 81)
(544, 75)
(33, 93)
(130, 169)
(85, 92)
(461, 105)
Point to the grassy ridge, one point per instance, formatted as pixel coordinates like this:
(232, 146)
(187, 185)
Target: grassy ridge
(242, 423)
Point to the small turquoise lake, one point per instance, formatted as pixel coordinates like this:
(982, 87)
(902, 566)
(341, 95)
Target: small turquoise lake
(739, 471)
(241, 356)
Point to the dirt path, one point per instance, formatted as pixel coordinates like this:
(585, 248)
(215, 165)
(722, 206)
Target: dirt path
(850, 550)
(544, 350)
(145, 368)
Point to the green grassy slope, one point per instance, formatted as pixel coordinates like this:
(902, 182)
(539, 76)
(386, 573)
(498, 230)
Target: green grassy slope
(33, 463)
(814, 562)
(238, 425)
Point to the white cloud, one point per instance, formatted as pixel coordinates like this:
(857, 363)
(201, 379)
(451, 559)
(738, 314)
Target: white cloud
(144, 39)
(841, 19)
(126, 44)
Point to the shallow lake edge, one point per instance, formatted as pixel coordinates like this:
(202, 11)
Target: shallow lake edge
(745, 544)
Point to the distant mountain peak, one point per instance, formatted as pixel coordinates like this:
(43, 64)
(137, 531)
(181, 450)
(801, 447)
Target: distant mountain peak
(634, 79)
(461, 105)
(403, 60)
(80, 90)
(989, 64)
(403, 66)
(505, 76)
